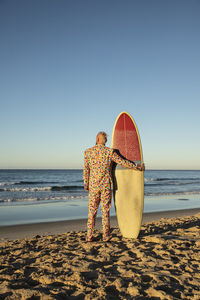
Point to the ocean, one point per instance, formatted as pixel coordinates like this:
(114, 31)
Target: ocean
(32, 196)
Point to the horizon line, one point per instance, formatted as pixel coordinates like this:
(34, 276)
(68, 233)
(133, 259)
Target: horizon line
(82, 169)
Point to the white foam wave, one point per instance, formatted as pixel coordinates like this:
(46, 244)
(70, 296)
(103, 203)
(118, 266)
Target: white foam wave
(35, 189)
(175, 193)
(9, 183)
(149, 179)
(35, 199)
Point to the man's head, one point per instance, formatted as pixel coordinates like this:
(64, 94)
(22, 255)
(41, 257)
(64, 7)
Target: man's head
(101, 138)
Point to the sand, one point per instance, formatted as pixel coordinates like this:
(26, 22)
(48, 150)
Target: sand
(163, 263)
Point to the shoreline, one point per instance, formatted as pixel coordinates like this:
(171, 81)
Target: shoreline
(12, 232)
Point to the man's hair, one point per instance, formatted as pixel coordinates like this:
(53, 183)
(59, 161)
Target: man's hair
(103, 133)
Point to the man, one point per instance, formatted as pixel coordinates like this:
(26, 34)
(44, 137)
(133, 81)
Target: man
(98, 181)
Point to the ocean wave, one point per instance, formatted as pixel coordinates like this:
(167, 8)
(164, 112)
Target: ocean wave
(23, 182)
(67, 188)
(172, 193)
(171, 183)
(152, 179)
(78, 181)
(36, 189)
(9, 183)
(41, 199)
(43, 189)
(67, 197)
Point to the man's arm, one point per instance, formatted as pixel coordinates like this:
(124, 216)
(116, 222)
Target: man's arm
(125, 163)
(86, 172)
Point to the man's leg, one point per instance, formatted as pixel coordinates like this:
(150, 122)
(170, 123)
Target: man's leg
(106, 196)
(94, 200)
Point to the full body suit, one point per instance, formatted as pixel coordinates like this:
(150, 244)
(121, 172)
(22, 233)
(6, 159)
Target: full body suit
(98, 180)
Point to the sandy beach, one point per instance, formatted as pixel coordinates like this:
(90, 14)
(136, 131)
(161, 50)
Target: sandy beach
(163, 263)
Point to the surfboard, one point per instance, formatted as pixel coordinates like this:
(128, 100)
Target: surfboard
(128, 191)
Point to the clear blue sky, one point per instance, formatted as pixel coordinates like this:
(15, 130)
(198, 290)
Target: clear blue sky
(68, 68)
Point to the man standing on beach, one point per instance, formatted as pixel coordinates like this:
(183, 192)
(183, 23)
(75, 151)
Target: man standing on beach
(98, 182)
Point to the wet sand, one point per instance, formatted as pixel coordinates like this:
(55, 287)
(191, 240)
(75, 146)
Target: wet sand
(12, 232)
(163, 263)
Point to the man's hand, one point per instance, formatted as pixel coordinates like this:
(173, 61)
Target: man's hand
(140, 167)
